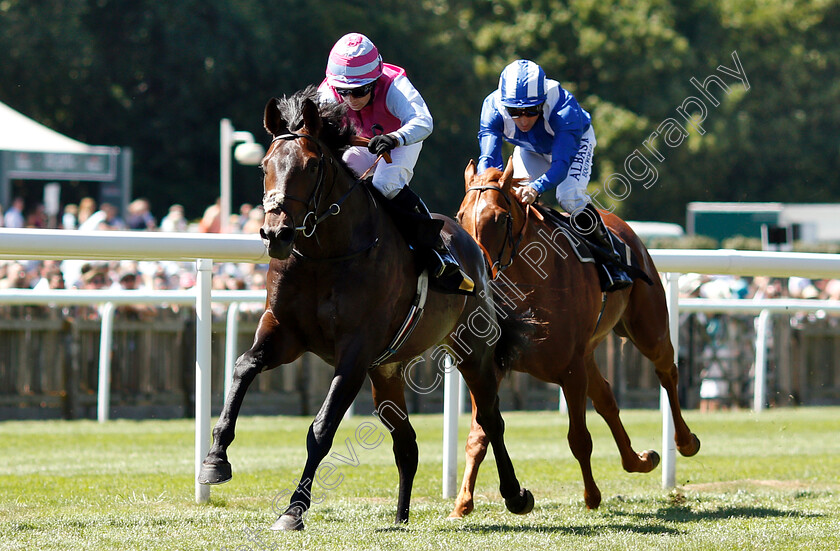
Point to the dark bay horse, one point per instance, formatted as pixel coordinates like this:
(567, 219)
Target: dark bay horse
(564, 295)
(341, 282)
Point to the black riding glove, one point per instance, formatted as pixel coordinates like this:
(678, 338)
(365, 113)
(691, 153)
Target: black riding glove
(382, 144)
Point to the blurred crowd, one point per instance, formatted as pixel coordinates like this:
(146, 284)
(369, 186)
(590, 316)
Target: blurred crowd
(88, 216)
(729, 287)
(727, 342)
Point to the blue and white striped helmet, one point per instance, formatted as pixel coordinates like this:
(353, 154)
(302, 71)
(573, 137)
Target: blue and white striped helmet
(522, 84)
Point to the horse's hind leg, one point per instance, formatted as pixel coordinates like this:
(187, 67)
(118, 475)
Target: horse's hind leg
(483, 387)
(646, 324)
(264, 354)
(580, 441)
(602, 397)
(389, 400)
(476, 451)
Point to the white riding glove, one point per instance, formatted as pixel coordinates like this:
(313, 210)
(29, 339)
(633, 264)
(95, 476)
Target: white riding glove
(526, 193)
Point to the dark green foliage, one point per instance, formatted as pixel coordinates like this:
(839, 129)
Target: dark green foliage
(158, 76)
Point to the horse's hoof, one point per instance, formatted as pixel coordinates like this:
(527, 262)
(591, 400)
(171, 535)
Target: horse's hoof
(287, 522)
(461, 510)
(593, 500)
(214, 473)
(692, 448)
(652, 458)
(522, 504)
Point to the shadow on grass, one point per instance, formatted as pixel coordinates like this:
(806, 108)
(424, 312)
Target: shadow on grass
(686, 514)
(597, 530)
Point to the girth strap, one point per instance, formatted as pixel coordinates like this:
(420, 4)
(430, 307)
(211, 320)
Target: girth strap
(411, 321)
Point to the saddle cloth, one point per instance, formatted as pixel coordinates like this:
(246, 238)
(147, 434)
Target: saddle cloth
(586, 250)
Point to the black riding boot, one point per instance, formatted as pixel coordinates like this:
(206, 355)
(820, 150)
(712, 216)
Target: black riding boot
(423, 233)
(617, 279)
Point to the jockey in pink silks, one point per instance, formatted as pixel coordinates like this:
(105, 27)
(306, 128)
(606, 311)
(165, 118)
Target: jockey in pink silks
(384, 107)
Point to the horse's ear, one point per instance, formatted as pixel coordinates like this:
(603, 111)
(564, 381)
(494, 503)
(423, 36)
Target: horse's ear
(469, 174)
(507, 176)
(311, 117)
(273, 120)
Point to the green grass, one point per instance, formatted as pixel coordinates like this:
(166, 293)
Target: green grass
(766, 481)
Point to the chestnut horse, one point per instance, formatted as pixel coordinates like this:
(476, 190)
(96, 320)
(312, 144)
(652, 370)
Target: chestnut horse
(341, 282)
(564, 295)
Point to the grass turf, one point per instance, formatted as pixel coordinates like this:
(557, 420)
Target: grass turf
(767, 481)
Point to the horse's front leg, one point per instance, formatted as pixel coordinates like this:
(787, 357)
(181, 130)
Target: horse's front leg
(346, 383)
(389, 400)
(270, 349)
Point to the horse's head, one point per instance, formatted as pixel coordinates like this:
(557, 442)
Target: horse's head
(297, 165)
(490, 212)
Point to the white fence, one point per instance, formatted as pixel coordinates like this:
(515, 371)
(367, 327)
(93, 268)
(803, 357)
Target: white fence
(204, 249)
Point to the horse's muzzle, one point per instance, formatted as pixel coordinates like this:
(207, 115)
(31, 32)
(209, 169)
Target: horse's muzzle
(278, 240)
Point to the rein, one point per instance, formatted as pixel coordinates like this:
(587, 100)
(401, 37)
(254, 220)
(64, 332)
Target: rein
(497, 266)
(276, 199)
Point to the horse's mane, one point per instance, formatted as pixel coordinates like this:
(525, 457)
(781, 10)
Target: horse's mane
(335, 131)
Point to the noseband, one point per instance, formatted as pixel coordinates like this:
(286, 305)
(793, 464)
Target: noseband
(274, 200)
(497, 266)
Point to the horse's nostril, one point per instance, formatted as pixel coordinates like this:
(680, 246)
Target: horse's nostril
(286, 234)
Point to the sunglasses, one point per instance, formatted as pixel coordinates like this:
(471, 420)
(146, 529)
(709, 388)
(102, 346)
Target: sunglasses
(516, 112)
(359, 92)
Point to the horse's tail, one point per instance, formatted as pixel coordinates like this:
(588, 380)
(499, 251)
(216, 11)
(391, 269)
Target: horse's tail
(518, 332)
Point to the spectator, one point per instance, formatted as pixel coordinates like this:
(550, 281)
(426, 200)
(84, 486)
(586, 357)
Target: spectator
(87, 206)
(211, 222)
(14, 215)
(244, 212)
(70, 218)
(106, 218)
(16, 277)
(37, 218)
(714, 388)
(47, 271)
(139, 216)
(832, 289)
(95, 277)
(256, 218)
(174, 220)
(129, 281)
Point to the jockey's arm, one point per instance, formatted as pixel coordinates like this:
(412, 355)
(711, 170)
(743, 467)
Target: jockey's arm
(490, 138)
(406, 103)
(563, 150)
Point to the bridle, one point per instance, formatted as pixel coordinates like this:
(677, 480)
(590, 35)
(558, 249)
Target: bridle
(497, 266)
(275, 200)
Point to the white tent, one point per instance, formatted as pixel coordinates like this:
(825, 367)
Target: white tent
(20, 133)
(31, 153)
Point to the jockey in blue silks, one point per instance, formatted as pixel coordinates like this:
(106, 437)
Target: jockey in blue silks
(554, 142)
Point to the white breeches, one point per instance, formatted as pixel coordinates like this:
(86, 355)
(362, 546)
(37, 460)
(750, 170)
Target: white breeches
(571, 192)
(388, 179)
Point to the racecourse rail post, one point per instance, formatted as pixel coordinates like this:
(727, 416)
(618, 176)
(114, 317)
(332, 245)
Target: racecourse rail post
(669, 446)
(106, 338)
(762, 325)
(450, 428)
(203, 334)
(231, 338)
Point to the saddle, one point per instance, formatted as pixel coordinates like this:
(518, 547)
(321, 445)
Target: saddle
(588, 251)
(423, 235)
